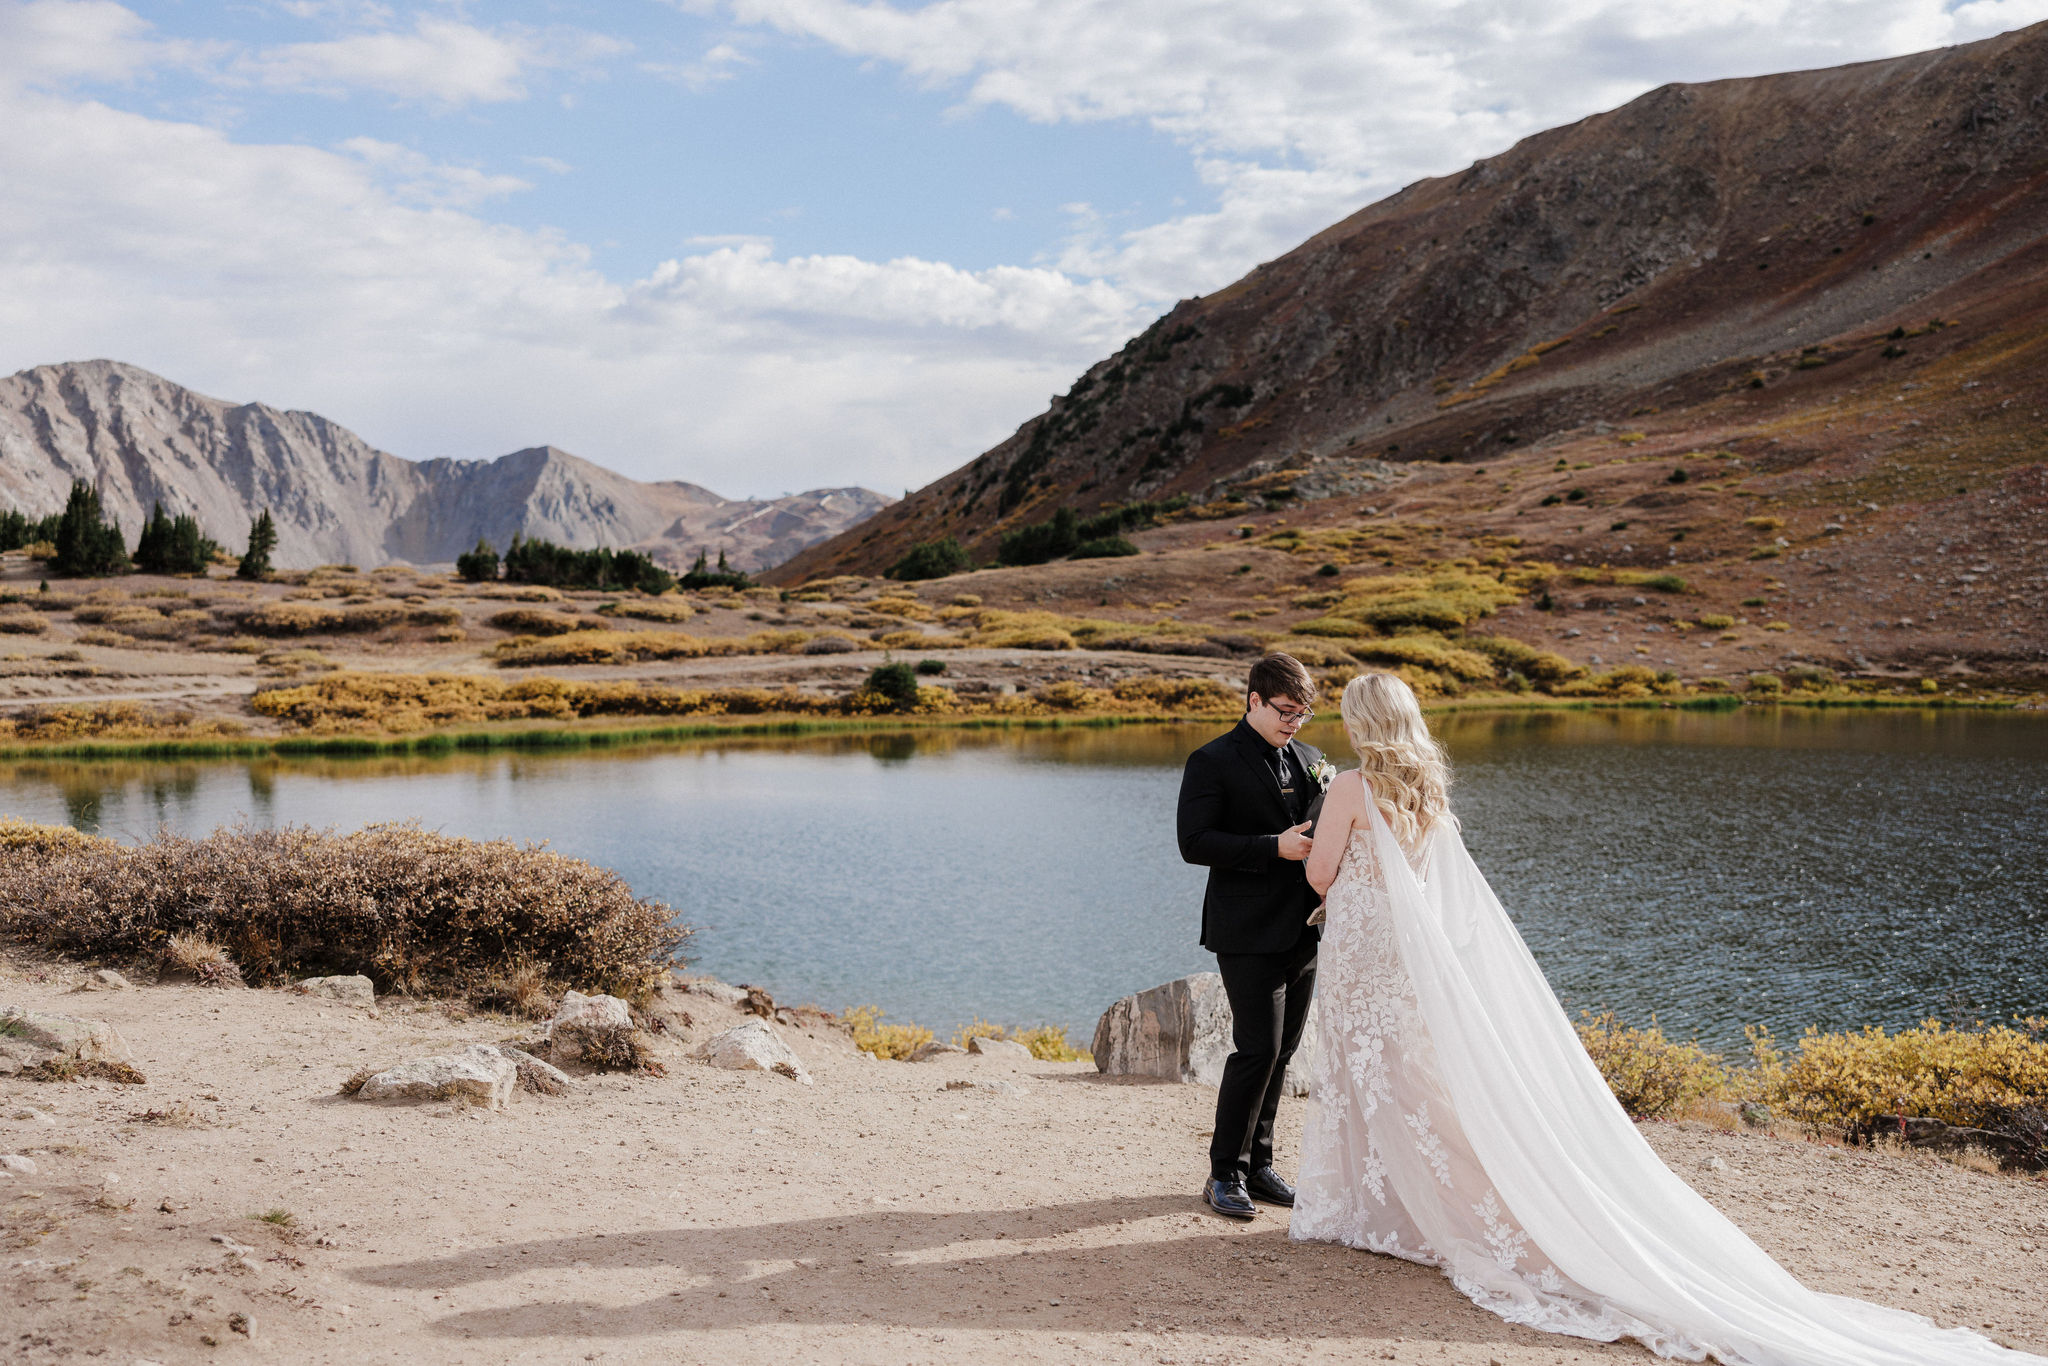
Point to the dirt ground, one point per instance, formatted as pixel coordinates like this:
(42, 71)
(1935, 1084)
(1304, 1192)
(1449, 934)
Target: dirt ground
(965, 1209)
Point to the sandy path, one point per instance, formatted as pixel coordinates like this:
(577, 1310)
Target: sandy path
(735, 1218)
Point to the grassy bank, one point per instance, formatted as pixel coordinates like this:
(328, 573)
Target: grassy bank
(135, 738)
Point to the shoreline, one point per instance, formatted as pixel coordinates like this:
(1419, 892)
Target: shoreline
(967, 1209)
(602, 735)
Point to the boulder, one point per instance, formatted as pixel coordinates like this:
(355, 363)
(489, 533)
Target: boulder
(583, 1020)
(1181, 1032)
(753, 1046)
(350, 991)
(480, 1074)
(536, 1076)
(63, 1043)
(15, 1162)
(926, 1052)
(104, 979)
(999, 1048)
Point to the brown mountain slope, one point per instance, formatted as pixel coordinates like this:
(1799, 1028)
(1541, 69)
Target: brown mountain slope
(142, 439)
(1753, 264)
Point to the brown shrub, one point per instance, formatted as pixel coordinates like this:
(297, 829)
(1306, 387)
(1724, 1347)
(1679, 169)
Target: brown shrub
(45, 725)
(186, 954)
(619, 1048)
(22, 624)
(532, 621)
(522, 992)
(25, 841)
(434, 614)
(668, 607)
(408, 908)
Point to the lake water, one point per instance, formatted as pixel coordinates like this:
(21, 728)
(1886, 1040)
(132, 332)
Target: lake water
(1759, 866)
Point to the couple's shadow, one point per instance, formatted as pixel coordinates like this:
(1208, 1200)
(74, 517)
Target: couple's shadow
(892, 1268)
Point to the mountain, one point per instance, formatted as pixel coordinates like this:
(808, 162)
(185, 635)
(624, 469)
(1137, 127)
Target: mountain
(1727, 261)
(141, 439)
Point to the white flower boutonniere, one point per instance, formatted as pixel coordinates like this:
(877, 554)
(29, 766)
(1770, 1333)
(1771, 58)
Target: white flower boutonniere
(1322, 770)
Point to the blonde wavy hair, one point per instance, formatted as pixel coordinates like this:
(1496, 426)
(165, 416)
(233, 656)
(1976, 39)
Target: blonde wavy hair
(1405, 770)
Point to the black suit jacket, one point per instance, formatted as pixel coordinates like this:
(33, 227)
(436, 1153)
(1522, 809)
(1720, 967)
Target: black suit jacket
(1230, 818)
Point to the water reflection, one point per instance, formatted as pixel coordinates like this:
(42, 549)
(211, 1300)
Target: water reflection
(1784, 867)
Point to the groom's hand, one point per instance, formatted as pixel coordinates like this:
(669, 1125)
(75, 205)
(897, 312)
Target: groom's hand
(1295, 843)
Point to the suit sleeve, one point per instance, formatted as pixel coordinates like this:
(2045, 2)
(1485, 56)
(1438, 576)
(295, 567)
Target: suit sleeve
(1203, 803)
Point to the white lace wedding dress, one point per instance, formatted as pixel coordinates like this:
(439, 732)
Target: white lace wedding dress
(1455, 1120)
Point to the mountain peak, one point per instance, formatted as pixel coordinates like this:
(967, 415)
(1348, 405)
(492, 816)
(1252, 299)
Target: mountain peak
(143, 439)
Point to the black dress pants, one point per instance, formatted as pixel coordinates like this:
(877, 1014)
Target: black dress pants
(1269, 995)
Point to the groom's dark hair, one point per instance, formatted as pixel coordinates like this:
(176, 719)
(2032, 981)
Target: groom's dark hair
(1278, 675)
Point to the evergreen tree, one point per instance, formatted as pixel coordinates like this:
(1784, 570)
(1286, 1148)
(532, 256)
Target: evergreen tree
(479, 565)
(190, 549)
(262, 540)
(88, 546)
(153, 545)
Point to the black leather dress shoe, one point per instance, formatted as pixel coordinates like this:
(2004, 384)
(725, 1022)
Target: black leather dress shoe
(1265, 1184)
(1228, 1199)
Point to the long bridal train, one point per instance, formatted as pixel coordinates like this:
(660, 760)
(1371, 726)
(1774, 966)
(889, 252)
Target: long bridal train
(1456, 1121)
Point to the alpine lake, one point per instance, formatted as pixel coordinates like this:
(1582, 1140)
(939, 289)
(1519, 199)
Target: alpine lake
(1773, 866)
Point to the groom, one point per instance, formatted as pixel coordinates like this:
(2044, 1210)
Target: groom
(1244, 813)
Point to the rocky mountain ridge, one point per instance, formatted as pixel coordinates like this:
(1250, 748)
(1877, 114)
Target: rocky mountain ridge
(1720, 262)
(142, 438)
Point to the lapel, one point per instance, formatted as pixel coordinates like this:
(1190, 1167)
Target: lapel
(1254, 750)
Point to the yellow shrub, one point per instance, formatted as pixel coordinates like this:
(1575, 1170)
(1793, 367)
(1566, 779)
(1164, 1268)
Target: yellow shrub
(1201, 695)
(1427, 652)
(1444, 601)
(1973, 1078)
(1649, 1074)
(884, 1040)
(908, 608)
(26, 839)
(1716, 621)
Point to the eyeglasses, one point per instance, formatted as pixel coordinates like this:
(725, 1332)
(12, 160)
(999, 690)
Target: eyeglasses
(1292, 718)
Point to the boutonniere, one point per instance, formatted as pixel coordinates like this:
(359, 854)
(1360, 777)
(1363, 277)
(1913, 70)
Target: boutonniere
(1322, 770)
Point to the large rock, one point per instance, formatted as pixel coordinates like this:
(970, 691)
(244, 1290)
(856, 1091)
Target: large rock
(754, 1046)
(30, 1039)
(480, 1074)
(539, 1077)
(1181, 1032)
(581, 1021)
(352, 991)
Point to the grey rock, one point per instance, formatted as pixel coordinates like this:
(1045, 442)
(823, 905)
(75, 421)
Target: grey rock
(31, 1038)
(539, 1077)
(754, 1046)
(1180, 1031)
(138, 437)
(926, 1052)
(16, 1163)
(999, 1048)
(1001, 1088)
(105, 979)
(479, 1075)
(580, 1019)
(352, 991)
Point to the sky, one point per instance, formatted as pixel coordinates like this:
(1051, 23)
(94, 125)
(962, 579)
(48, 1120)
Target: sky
(761, 245)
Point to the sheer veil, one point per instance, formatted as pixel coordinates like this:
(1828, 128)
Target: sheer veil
(1614, 1242)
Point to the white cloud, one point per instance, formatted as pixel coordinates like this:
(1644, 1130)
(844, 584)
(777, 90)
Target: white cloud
(54, 42)
(354, 283)
(717, 65)
(439, 61)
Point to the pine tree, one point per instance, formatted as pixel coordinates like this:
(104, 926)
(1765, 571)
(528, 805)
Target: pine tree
(153, 546)
(479, 565)
(262, 540)
(189, 551)
(88, 546)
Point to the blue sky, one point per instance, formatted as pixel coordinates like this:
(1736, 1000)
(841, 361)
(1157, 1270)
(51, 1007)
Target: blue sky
(758, 244)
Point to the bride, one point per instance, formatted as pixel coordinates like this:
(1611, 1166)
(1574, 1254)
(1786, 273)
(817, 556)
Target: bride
(1456, 1121)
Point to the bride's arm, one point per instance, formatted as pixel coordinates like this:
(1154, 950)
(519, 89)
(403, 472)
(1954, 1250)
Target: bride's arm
(1342, 807)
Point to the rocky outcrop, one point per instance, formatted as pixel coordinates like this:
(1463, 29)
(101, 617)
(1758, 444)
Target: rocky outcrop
(59, 1046)
(478, 1075)
(143, 439)
(1180, 1031)
(754, 1046)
